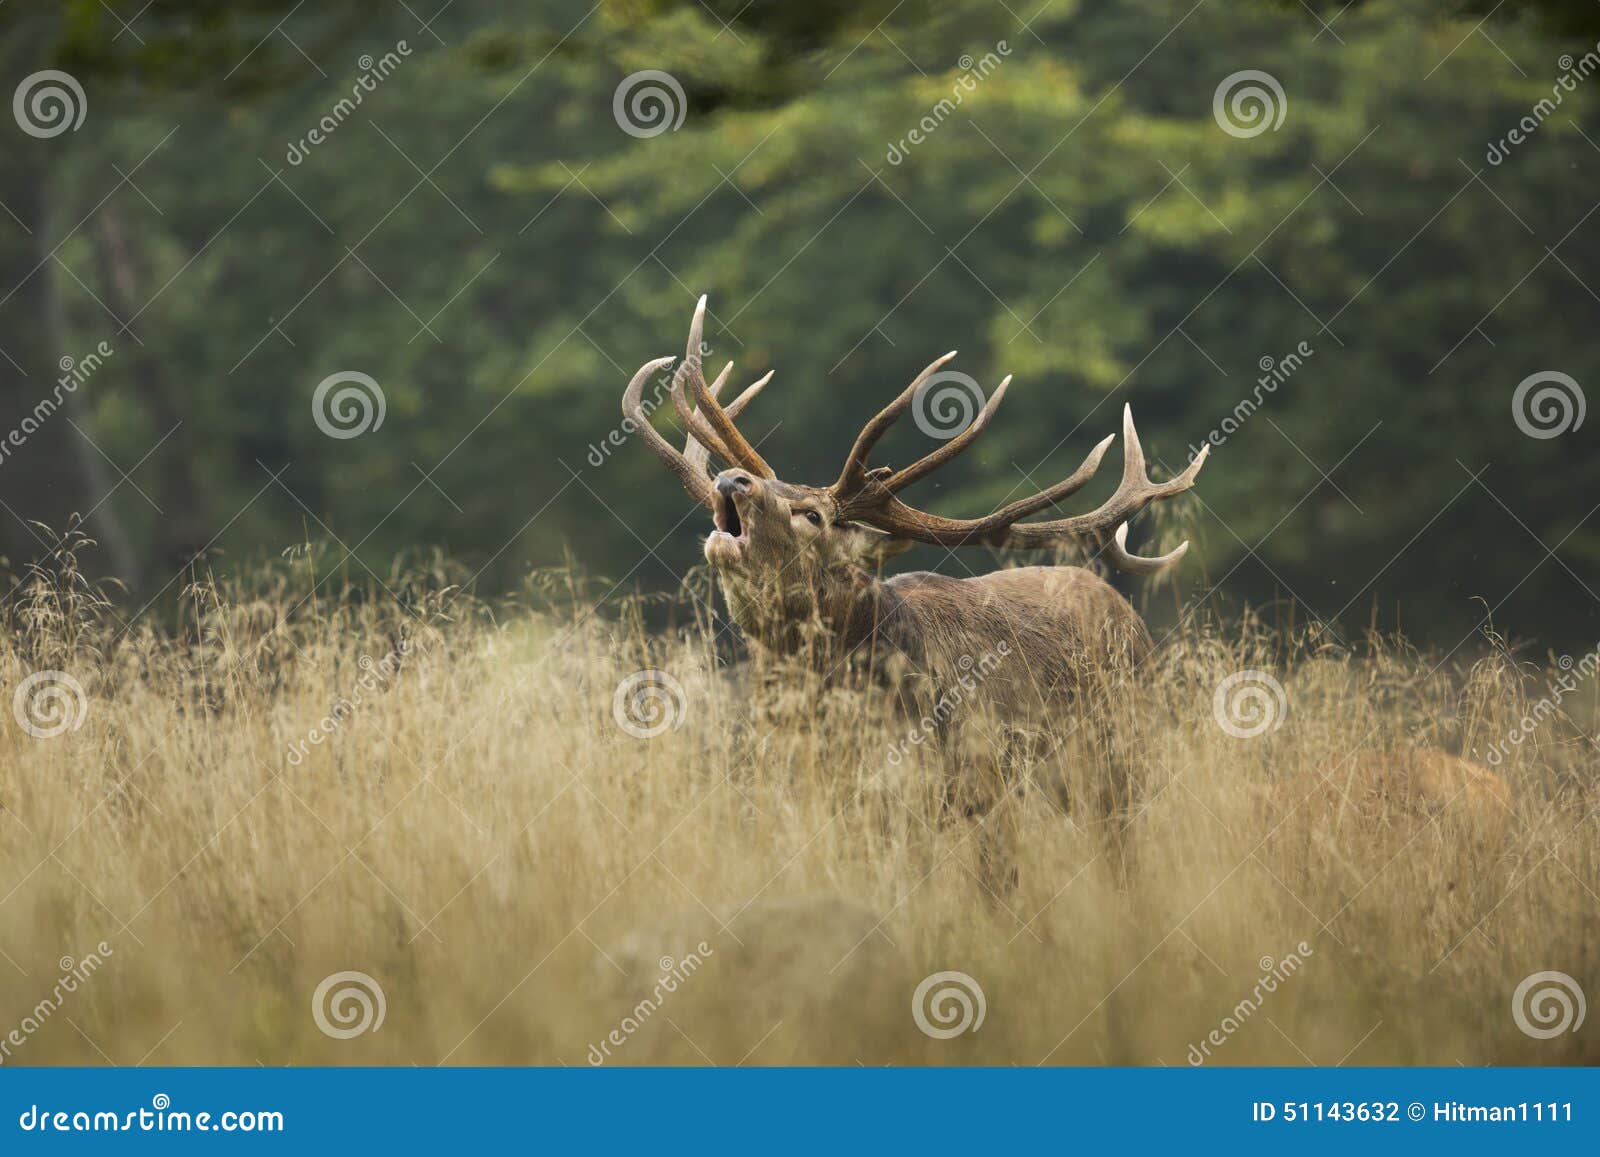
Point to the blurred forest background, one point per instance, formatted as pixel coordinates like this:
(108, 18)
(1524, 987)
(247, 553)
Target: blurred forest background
(485, 240)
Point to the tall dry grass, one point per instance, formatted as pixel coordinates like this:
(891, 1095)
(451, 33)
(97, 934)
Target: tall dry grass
(479, 836)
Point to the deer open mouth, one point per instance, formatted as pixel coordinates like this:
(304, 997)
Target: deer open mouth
(727, 541)
(725, 515)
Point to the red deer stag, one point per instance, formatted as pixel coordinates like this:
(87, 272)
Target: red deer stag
(798, 564)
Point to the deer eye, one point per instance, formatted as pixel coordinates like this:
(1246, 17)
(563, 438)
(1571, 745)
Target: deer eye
(813, 517)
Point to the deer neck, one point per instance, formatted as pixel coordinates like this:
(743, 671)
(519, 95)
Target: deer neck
(824, 622)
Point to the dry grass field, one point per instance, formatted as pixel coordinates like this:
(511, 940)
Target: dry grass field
(472, 830)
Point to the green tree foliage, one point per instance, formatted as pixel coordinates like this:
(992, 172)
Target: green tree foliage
(858, 188)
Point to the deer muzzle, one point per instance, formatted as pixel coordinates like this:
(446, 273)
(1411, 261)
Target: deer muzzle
(730, 535)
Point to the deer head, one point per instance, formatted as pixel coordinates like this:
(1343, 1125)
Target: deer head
(788, 553)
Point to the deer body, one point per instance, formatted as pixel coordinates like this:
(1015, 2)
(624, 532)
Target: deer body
(1053, 624)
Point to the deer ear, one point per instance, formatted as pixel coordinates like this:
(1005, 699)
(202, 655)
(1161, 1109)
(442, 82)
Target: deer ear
(876, 547)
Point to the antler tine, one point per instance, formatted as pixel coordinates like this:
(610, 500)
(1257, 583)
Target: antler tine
(992, 529)
(740, 451)
(1117, 554)
(854, 475)
(902, 478)
(736, 407)
(694, 421)
(691, 475)
(1134, 493)
(1064, 489)
(695, 450)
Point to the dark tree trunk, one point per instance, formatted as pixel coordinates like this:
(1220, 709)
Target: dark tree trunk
(184, 527)
(48, 474)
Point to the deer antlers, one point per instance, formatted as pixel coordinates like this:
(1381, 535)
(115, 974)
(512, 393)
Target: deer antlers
(869, 495)
(710, 428)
